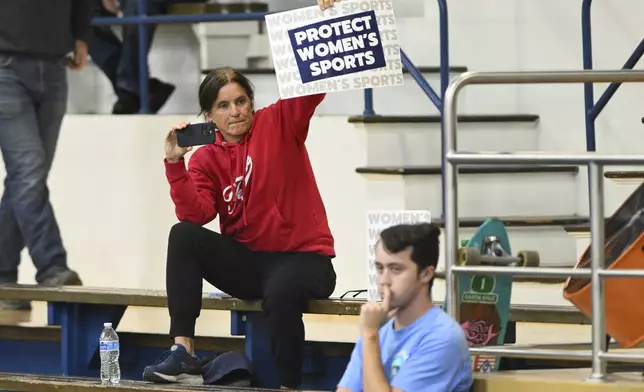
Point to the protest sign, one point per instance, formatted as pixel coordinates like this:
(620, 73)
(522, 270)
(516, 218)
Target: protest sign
(352, 45)
(377, 221)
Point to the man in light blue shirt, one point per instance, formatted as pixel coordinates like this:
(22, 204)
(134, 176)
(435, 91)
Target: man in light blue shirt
(419, 347)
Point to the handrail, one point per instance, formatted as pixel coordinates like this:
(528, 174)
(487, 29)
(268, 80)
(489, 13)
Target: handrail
(422, 82)
(417, 75)
(595, 163)
(142, 20)
(592, 109)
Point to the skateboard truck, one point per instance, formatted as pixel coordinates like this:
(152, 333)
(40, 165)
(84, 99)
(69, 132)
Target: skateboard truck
(492, 247)
(494, 254)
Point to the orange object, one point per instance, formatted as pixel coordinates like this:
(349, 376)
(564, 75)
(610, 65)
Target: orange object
(623, 311)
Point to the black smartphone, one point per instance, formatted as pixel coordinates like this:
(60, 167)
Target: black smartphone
(196, 134)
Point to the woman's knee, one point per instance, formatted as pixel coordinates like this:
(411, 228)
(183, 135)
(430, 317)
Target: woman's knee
(182, 231)
(181, 242)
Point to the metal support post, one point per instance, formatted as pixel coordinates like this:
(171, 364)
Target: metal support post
(597, 220)
(444, 48)
(450, 191)
(589, 92)
(143, 60)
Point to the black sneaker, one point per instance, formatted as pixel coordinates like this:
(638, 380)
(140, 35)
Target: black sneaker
(160, 92)
(127, 103)
(63, 278)
(175, 365)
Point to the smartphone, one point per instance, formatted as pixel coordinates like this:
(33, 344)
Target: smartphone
(196, 134)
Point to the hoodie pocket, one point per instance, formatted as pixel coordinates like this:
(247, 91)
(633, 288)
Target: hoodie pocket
(266, 228)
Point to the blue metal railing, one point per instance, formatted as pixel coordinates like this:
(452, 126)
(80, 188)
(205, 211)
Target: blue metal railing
(592, 109)
(417, 75)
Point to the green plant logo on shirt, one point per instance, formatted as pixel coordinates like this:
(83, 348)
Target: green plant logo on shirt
(397, 363)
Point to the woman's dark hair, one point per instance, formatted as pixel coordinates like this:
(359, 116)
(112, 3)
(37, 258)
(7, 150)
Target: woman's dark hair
(217, 79)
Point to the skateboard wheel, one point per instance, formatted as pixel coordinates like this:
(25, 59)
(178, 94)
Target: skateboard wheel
(529, 258)
(469, 256)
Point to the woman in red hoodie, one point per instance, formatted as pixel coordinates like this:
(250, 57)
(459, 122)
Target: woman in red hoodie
(275, 243)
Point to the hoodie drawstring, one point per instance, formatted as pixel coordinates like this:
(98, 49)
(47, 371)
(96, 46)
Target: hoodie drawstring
(243, 184)
(241, 167)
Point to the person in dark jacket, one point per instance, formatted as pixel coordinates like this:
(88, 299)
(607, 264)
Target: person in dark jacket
(119, 58)
(39, 39)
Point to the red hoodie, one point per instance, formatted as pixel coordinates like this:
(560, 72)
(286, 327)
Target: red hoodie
(262, 188)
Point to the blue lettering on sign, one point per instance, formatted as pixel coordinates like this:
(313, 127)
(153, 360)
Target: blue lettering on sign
(109, 346)
(340, 46)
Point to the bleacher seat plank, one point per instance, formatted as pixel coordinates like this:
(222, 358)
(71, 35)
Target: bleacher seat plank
(556, 380)
(157, 298)
(51, 333)
(191, 8)
(46, 383)
(624, 174)
(154, 298)
(38, 333)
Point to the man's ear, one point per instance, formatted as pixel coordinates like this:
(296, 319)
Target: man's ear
(427, 274)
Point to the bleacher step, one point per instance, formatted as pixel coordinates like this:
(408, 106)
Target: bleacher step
(484, 191)
(417, 140)
(625, 177)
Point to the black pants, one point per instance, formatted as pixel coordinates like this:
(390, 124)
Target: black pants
(285, 282)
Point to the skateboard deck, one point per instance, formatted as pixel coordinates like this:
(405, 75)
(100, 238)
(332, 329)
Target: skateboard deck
(624, 249)
(484, 300)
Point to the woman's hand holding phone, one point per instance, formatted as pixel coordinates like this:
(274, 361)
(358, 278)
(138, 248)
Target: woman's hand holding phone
(173, 152)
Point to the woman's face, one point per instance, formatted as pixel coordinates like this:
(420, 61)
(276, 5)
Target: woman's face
(232, 112)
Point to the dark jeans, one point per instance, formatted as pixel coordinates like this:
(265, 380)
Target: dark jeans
(285, 282)
(33, 101)
(118, 60)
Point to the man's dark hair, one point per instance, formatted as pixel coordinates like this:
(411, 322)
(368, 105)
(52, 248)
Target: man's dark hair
(421, 237)
(218, 78)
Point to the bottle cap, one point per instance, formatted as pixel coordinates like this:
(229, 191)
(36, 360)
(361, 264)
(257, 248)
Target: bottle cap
(107, 325)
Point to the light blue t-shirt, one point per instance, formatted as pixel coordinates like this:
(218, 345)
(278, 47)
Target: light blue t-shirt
(429, 355)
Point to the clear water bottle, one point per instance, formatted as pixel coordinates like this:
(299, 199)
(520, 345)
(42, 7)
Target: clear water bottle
(109, 350)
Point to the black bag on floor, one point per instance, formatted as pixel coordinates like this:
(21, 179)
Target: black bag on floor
(229, 368)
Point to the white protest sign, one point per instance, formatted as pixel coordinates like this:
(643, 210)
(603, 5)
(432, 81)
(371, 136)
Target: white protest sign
(352, 45)
(377, 221)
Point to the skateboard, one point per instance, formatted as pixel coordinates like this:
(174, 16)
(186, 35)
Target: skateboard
(484, 300)
(623, 249)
